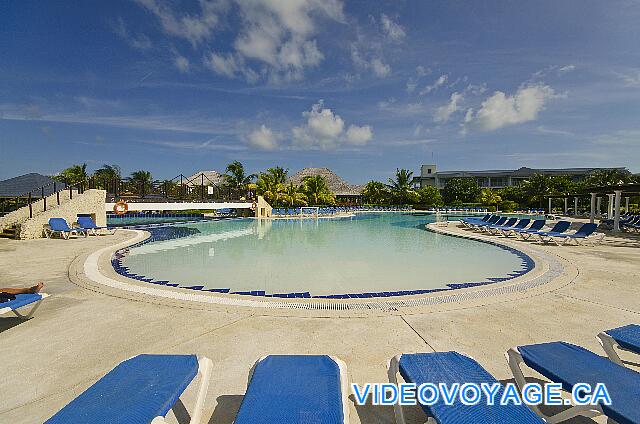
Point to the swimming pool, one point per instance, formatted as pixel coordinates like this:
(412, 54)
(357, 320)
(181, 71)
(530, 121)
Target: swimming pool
(369, 255)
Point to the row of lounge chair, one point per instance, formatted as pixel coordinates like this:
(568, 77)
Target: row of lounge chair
(340, 209)
(85, 226)
(525, 228)
(314, 388)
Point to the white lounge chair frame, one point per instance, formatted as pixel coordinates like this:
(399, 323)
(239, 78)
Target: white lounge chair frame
(35, 306)
(514, 359)
(49, 233)
(609, 345)
(591, 240)
(204, 372)
(344, 383)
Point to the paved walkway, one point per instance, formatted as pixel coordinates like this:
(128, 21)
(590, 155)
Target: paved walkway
(78, 335)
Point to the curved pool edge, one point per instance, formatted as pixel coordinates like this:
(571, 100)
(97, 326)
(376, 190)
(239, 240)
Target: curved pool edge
(94, 271)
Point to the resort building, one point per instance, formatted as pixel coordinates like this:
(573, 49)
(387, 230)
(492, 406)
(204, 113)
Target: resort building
(430, 176)
(345, 192)
(21, 185)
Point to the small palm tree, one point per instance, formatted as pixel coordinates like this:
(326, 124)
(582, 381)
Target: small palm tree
(235, 176)
(140, 180)
(279, 174)
(375, 192)
(401, 186)
(317, 190)
(269, 188)
(489, 197)
(292, 196)
(74, 174)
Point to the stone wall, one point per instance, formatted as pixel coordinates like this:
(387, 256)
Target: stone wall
(90, 202)
(263, 209)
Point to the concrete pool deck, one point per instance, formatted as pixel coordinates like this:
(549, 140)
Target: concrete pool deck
(79, 334)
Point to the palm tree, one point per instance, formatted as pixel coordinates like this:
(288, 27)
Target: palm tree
(235, 176)
(537, 187)
(401, 186)
(108, 172)
(489, 197)
(375, 192)
(141, 179)
(268, 187)
(292, 196)
(317, 190)
(279, 174)
(74, 174)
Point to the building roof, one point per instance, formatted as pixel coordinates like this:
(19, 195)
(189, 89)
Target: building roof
(210, 178)
(21, 185)
(524, 172)
(336, 184)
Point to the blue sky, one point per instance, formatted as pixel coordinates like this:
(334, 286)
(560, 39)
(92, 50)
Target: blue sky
(358, 86)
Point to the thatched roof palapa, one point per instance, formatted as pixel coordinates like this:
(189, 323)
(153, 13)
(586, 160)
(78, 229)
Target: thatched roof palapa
(210, 178)
(336, 184)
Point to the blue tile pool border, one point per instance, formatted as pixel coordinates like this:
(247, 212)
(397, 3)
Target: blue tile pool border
(161, 232)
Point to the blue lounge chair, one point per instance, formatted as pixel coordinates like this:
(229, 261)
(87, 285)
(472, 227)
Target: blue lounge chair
(584, 234)
(449, 368)
(558, 228)
(626, 338)
(569, 365)
(521, 225)
(537, 225)
(12, 303)
(87, 224)
(59, 226)
(296, 389)
(139, 390)
(471, 222)
(476, 219)
(508, 224)
(481, 225)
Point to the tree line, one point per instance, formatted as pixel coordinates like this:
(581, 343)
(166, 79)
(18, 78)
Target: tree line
(314, 190)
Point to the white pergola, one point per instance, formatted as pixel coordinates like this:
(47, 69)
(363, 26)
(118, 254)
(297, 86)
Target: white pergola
(614, 194)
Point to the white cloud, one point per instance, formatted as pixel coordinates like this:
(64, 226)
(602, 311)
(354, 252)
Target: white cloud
(359, 136)
(229, 65)
(380, 68)
(263, 138)
(394, 31)
(443, 113)
(412, 83)
(182, 63)
(567, 68)
(278, 34)
(501, 110)
(632, 79)
(442, 79)
(140, 41)
(195, 28)
(324, 129)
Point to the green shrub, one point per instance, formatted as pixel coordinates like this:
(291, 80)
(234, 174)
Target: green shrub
(508, 206)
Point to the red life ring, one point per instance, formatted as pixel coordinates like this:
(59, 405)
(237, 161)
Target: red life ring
(120, 207)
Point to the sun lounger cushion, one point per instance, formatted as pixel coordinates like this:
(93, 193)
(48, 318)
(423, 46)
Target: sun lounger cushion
(293, 389)
(569, 364)
(136, 391)
(19, 300)
(453, 367)
(628, 337)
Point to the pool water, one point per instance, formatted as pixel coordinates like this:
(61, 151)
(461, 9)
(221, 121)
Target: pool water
(388, 253)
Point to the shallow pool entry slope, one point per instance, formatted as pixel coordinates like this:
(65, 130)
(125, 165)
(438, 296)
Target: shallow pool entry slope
(370, 255)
